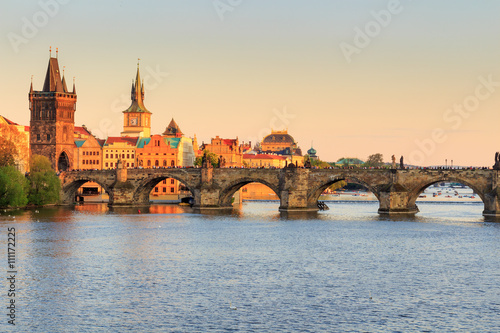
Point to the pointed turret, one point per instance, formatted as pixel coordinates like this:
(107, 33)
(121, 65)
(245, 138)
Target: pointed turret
(65, 87)
(74, 88)
(31, 85)
(173, 130)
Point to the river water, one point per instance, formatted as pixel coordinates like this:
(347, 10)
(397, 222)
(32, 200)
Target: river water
(169, 269)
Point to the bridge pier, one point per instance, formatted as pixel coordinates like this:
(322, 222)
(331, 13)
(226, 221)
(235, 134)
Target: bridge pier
(395, 199)
(492, 203)
(294, 196)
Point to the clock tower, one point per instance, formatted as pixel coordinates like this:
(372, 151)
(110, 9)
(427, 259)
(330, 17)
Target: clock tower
(137, 119)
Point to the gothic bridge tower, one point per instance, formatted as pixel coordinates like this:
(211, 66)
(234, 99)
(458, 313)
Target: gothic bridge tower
(53, 118)
(137, 119)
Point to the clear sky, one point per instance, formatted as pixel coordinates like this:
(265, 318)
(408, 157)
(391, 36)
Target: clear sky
(416, 78)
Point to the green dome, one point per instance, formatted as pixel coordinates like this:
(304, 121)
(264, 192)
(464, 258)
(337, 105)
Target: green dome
(311, 152)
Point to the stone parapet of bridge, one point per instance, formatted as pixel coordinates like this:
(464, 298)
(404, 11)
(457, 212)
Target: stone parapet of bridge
(297, 188)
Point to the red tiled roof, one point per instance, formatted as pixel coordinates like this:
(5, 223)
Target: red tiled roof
(10, 122)
(81, 130)
(229, 142)
(263, 157)
(126, 139)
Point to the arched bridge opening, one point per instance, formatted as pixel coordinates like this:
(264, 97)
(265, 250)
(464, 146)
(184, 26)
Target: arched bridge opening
(251, 189)
(446, 190)
(161, 189)
(342, 188)
(86, 189)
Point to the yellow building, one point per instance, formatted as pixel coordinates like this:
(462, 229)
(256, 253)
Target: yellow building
(280, 142)
(88, 150)
(119, 148)
(265, 161)
(19, 135)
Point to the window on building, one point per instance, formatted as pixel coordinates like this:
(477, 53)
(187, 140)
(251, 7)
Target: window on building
(164, 181)
(106, 155)
(128, 164)
(172, 163)
(97, 153)
(48, 137)
(106, 164)
(123, 155)
(172, 181)
(149, 163)
(156, 189)
(157, 163)
(128, 155)
(171, 190)
(38, 137)
(164, 190)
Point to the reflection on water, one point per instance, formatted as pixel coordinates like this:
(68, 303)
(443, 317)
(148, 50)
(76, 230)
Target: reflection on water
(171, 268)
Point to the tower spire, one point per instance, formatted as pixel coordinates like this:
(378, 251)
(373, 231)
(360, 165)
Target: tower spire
(74, 89)
(31, 85)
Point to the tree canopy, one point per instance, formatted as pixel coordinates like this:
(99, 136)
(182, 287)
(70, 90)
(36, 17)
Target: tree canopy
(45, 185)
(13, 187)
(375, 160)
(214, 159)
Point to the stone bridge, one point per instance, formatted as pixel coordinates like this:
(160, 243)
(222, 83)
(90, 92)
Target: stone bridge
(298, 189)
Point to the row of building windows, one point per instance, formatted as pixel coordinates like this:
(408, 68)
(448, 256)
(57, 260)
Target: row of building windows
(90, 153)
(118, 156)
(112, 165)
(164, 190)
(90, 162)
(157, 163)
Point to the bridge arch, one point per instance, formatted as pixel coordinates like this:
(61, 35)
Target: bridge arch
(70, 189)
(315, 192)
(228, 191)
(144, 188)
(419, 188)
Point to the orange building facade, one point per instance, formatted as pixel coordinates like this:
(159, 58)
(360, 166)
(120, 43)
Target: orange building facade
(229, 149)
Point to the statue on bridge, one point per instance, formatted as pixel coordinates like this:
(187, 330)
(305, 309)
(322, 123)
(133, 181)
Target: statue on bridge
(401, 163)
(393, 162)
(496, 166)
(222, 162)
(307, 163)
(205, 161)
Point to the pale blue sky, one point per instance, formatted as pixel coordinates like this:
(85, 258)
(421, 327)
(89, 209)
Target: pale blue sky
(242, 75)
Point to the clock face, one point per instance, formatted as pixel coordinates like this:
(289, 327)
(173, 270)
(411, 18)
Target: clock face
(133, 121)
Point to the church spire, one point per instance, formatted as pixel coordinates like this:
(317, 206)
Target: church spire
(137, 94)
(74, 89)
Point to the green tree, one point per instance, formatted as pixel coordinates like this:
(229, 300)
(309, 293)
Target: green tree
(375, 160)
(13, 187)
(44, 183)
(8, 152)
(214, 159)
